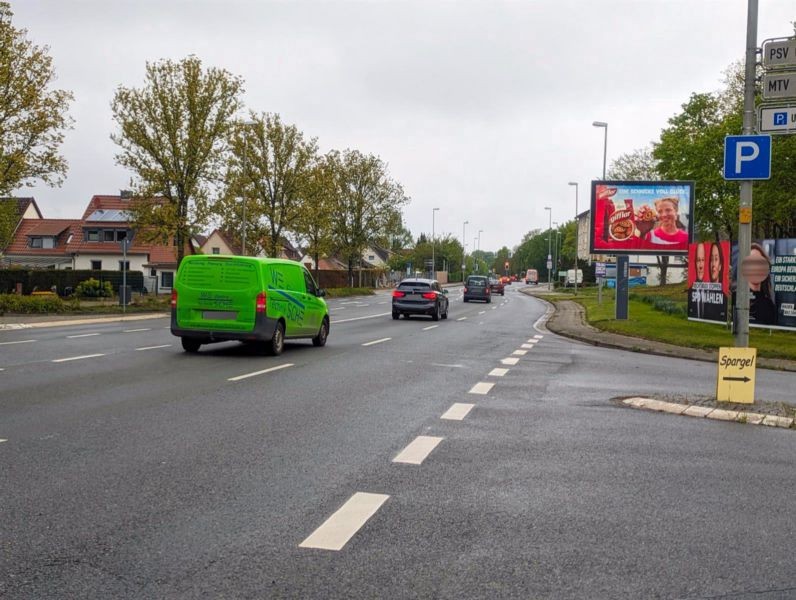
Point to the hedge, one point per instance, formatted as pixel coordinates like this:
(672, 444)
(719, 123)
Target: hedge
(44, 279)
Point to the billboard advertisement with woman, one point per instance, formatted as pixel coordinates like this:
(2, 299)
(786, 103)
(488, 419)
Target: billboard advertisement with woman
(641, 217)
(708, 281)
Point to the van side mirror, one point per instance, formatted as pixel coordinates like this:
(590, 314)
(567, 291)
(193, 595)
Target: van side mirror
(320, 293)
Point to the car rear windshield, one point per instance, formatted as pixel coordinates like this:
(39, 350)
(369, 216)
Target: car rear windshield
(413, 285)
(476, 281)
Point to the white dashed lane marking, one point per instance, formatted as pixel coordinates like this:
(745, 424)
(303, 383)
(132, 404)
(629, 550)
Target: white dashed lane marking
(449, 366)
(263, 372)
(527, 346)
(1, 441)
(377, 342)
(482, 387)
(60, 360)
(538, 337)
(458, 411)
(481, 312)
(532, 341)
(510, 361)
(430, 327)
(498, 372)
(82, 335)
(417, 451)
(153, 347)
(134, 330)
(520, 352)
(359, 318)
(462, 319)
(17, 342)
(345, 522)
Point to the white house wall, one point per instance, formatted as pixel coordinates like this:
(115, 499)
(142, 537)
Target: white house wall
(110, 262)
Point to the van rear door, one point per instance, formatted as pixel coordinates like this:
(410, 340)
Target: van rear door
(217, 293)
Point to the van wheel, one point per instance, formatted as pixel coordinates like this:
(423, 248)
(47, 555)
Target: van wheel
(190, 344)
(323, 333)
(277, 343)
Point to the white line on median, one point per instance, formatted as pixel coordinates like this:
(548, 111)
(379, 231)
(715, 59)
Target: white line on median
(153, 347)
(520, 352)
(482, 388)
(134, 330)
(82, 335)
(360, 318)
(417, 451)
(430, 327)
(376, 341)
(345, 522)
(462, 319)
(263, 372)
(60, 360)
(457, 412)
(17, 342)
(498, 372)
(510, 361)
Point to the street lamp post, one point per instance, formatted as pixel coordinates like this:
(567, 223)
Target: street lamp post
(433, 244)
(549, 249)
(464, 248)
(605, 141)
(577, 234)
(556, 257)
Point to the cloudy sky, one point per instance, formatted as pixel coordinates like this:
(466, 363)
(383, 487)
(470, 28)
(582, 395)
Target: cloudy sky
(482, 109)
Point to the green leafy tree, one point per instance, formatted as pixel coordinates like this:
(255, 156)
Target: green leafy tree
(270, 167)
(33, 116)
(367, 200)
(9, 217)
(500, 260)
(173, 134)
(314, 223)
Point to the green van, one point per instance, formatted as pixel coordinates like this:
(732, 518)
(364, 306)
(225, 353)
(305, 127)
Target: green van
(218, 298)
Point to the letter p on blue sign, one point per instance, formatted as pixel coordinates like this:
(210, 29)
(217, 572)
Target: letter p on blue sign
(747, 157)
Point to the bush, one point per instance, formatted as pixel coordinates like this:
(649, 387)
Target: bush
(344, 292)
(663, 304)
(92, 288)
(15, 303)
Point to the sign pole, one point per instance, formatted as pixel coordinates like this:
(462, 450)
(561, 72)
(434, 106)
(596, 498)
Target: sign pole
(745, 219)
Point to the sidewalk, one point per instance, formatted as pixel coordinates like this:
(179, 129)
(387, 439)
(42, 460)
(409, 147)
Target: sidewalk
(14, 322)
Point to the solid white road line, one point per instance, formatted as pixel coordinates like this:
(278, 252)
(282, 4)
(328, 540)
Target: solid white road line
(345, 522)
(482, 387)
(430, 327)
(498, 372)
(510, 361)
(17, 342)
(360, 318)
(153, 347)
(263, 372)
(82, 335)
(134, 330)
(462, 319)
(520, 352)
(416, 452)
(457, 412)
(376, 341)
(527, 346)
(60, 360)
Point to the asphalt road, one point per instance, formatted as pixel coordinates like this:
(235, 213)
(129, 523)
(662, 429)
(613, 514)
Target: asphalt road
(133, 470)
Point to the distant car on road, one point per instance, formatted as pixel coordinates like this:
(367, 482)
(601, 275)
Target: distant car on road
(531, 276)
(477, 288)
(420, 297)
(496, 286)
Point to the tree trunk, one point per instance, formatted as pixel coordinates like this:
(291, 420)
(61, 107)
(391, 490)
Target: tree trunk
(663, 265)
(317, 258)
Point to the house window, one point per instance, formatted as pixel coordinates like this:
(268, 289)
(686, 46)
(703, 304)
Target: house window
(92, 235)
(166, 279)
(216, 250)
(96, 265)
(121, 235)
(371, 257)
(35, 242)
(107, 235)
(153, 272)
(124, 265)
(48, 242)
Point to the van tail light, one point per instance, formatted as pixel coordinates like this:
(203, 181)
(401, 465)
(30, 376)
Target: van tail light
(174, 298)
(430, 296)
(261, 303)
(398, 294)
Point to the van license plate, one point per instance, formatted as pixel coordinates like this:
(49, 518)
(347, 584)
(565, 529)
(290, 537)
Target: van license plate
(219, 315)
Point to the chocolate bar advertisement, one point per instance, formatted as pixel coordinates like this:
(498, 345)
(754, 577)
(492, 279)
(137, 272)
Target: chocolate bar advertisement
(642, 217)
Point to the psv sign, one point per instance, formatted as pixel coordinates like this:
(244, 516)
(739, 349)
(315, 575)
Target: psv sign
(747, 157)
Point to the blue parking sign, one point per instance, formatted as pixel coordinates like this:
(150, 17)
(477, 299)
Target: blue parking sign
(747, 157)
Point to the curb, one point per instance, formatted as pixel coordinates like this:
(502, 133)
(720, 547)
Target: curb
(87, 321)
(707, 412)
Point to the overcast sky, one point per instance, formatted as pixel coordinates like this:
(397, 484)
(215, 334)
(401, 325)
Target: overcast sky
(482, 109)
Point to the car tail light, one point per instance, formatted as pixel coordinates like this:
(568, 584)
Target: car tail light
(465, 290)
(488, 290)
(398, 294)
(174, 298)
(262, 303)
(430, 296)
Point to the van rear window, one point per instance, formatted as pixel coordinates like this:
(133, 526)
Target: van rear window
(222, 274)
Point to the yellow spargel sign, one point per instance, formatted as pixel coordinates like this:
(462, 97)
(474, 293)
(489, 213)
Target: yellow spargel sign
(736, 378)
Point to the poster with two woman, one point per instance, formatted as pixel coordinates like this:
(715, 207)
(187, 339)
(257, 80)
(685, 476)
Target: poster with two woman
(708, 281)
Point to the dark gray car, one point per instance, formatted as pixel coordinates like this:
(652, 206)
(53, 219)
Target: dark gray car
(477, 288)
(420, 297)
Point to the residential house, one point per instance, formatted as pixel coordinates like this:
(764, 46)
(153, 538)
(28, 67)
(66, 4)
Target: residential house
(217, 242)
(19, 209)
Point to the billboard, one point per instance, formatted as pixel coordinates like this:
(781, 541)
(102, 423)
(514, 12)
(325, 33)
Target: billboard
(708, 281)
(641, 217)
(772, 301)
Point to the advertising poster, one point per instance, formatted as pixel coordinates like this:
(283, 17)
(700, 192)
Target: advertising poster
(708, 281)
(772, 302)
(642, 217)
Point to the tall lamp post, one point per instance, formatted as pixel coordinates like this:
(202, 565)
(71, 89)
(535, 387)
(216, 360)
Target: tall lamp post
(605, 142)
(549, 247)
(480, 231)
(433, 245)
(577, 234)
(245, 124)
(464, 248)
(555, 251)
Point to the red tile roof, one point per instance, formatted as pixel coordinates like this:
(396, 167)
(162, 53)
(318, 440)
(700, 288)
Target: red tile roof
(20, 245)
